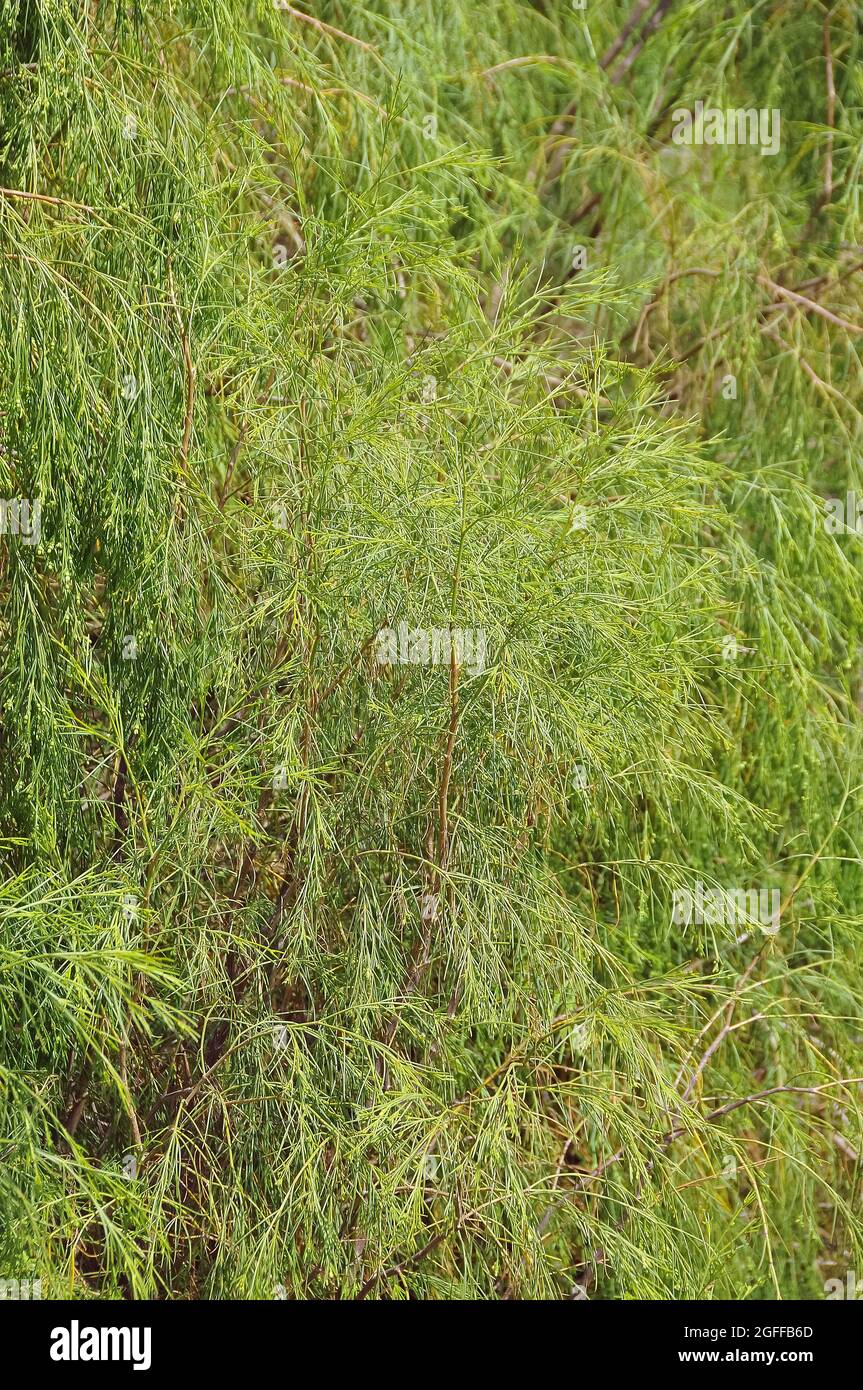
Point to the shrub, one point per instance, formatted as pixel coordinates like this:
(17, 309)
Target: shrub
(419, 589)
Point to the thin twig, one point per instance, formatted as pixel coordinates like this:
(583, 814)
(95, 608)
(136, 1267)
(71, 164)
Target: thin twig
(650, 27)
(324, 28)
(770, 1091)
(810, 371)
(555, 163)
(446, 771)
(611, 53)
(728, 1027)
(793, 297)
(524, 61)
(43, 198)
(676, 1133)
(831, 111)
(385, 1274)
(127, 1095)
(240, 441)
(190, 373)
(654, 302)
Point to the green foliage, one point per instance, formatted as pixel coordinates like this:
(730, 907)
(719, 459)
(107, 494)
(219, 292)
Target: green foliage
(342, 979)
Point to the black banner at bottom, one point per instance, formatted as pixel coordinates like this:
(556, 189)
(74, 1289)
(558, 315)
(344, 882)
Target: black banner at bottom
(86, 1339)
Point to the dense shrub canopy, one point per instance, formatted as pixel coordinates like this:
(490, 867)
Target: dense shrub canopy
(416, 584)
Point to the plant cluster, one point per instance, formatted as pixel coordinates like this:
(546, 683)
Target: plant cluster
(330, 976)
